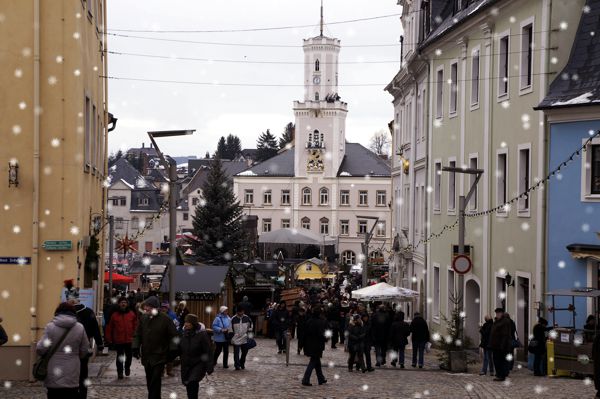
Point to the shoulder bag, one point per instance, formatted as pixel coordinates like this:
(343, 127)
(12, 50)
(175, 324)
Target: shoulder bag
(40, 367)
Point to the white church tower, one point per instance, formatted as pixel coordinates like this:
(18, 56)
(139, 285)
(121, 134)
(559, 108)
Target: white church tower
(321, 119)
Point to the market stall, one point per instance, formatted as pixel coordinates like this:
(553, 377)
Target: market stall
(384, 292)
(570, 348)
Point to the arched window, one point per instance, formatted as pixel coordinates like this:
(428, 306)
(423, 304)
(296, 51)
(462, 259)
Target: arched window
(348, 258)
(316, 96)
(316, 137)
(317, 65)
(306, 196)
(306, 223)
(310, 137)
(323, 196)
(324, 226)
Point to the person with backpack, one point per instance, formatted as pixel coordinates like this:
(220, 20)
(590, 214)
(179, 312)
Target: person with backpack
(62, 379)
(196, 355)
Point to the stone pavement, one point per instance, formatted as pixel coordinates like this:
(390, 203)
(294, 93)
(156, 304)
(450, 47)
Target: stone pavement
(266, 376)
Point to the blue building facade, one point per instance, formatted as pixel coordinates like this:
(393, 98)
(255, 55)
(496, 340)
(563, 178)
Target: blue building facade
(573, 216)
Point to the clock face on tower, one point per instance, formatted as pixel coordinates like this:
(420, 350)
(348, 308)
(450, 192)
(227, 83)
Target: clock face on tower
(315, 161)
(317, 80)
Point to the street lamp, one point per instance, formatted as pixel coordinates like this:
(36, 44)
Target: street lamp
(171, 166)
(365, 247)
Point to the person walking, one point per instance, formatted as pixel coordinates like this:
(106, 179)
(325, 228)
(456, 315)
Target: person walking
(333, 317)
(3, 335)
(356, 341)
(221, 327)
(280, 321)
(119, 333)
(154, 340)
(196, 355)
(501, 343)
(539, 351)
(368, 343)
(314, 345)
(87, 318)
(62, 381)
(399, 333)
(301, 327)
(380, 328)
(419, 336)
(241, 325)
(488, 361)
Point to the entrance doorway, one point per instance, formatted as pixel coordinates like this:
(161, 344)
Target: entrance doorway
(472, 311)
(522, 316)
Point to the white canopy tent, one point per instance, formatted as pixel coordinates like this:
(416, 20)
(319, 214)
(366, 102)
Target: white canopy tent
(384, 292)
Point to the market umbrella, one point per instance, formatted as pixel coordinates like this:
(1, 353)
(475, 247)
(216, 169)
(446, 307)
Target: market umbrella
(119, 278)
(384, 292)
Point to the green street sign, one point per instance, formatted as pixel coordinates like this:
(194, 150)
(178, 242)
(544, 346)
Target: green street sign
(58, 245)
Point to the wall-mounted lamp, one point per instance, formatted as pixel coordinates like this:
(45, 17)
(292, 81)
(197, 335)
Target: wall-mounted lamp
(508, 279)
(13, 174)
(404, 162)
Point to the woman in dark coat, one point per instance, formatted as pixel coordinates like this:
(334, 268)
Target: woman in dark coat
(399, 333)
(196, 355)
(356, 343)
(314, 345)
(539, 353)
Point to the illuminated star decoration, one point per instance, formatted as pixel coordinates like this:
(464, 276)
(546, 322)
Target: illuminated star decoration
(126, 245)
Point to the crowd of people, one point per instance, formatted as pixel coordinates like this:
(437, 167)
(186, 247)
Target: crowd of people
(148, 329)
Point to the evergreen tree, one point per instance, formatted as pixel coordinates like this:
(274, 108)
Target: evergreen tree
(221, 149)
(136, 161)
(218, 219)
(207, 155)
(233, 146)
(287, 136)
(266, 146)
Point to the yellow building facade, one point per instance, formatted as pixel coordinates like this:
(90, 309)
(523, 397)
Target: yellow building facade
(53, 136)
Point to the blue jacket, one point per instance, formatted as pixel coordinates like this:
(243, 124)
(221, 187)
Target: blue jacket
(221, 321)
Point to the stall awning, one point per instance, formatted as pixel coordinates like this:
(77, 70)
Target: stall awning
(584, 251)
(118, 278)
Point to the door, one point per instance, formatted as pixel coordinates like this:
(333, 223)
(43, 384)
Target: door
(472, 311)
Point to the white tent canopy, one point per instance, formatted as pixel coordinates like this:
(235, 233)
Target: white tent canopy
(295, 236)
(384, 292)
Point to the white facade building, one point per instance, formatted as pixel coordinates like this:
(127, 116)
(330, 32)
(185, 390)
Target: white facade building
(322, 183)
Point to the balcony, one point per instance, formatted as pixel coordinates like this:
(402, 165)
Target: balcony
(320, 145)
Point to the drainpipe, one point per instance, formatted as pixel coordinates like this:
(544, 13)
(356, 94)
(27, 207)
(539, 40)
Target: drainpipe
(36, 185)
(401, 50)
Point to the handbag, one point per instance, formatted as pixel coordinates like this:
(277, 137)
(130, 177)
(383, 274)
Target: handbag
(516, 343)
(40, 367)
(251, 343)
(533, 345)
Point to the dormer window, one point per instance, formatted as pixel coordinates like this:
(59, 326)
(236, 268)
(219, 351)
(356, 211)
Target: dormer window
(143, 201)
(317, 65)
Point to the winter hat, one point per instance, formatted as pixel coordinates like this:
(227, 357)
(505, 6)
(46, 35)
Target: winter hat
(165, 305)
(222, 309)
(153, 302)
(123, 299)
(193, 320)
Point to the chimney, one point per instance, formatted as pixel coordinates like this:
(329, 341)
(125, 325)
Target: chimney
(143, 144)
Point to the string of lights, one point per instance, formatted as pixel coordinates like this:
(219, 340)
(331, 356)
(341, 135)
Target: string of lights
(149, 225)
(505, 207)
(254, 29)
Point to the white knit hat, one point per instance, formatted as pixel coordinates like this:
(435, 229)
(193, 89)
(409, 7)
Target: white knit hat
(222, 309)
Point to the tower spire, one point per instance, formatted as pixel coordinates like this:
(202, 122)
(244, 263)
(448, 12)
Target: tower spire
(321, 17)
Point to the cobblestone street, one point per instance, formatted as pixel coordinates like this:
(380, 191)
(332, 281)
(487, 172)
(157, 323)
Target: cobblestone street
(267, 376)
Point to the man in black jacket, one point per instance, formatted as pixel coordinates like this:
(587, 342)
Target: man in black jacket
(399, 333)
(280, 322)
(419, 336)
(314, 345)
(380, 328)
(87, 318)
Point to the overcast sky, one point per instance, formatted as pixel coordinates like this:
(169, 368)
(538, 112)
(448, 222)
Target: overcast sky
(217, 110)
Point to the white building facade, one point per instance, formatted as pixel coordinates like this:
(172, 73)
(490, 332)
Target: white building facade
(333, 188)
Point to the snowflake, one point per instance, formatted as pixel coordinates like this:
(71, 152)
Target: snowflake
(68, 349)
(437, 123)
(331, 364)
(87, 382)
(505, 104)
(191, 270)
(469, 387)
(52, 80)
(16, 229)
(563, 25)
(336, 376)
(18, 362)
(510, 249)
(16, 129)
(59, 59)
(587, 381)
(435, 336)
(6, 207)
(365, 387)
(539, 389)
(77, 72)
(57, 371)
(5, 294)
(22, 105)
(74, 230)
(18, 73)
(7, 384)
(219, 244)
(328, 333)
(26, 52)
(208, 309)
(562, 264)
(524, 226)
(585, 227)
(438, 52)
(154, 312)
(122, 358)
(553, 334)
(583, 359)
(554, 60)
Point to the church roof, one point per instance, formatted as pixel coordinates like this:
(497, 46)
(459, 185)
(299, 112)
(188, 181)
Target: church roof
(358, 161)
(579, 82)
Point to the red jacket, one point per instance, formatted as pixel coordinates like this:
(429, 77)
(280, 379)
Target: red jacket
(121, 327)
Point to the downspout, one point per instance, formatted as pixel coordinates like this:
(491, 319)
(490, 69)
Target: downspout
(36, 185)
(100, 294)
(426, 226)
